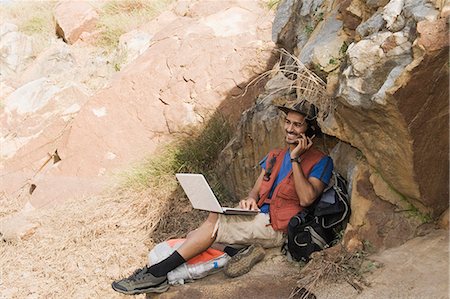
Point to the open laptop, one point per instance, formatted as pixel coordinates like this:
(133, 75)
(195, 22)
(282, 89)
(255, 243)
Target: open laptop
(202, 197)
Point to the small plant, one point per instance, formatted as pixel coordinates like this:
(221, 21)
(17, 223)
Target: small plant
(369, 266)
(319, 17)
(309, 29)
(35, 25)
(32, 18)
(359, 155)
(368, 247)
(415, 213)
(408, 207)
(343, 49)
(119, 58)
(273, 4)
(333, 61)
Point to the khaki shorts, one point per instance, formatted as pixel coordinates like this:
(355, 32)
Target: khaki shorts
(246, 230)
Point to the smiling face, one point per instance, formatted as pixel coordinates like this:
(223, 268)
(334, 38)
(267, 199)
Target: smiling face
(294, 125)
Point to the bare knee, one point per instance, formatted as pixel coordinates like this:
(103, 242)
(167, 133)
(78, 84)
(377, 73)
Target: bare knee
(190, 234)
(208, 224)
(212, 218)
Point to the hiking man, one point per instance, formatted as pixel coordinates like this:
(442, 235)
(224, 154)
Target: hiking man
(290, 179)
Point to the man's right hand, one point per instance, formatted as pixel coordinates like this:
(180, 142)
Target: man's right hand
(248, 203)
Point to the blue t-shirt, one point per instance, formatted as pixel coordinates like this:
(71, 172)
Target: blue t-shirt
(286, 167)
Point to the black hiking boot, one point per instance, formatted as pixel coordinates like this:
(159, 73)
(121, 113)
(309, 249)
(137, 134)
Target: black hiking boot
(140, 282)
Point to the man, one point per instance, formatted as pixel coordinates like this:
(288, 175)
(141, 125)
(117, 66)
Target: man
(290, 180)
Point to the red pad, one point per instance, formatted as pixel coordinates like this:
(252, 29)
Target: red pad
(205, 256)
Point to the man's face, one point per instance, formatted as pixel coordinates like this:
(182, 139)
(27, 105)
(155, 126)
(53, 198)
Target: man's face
(294, 125)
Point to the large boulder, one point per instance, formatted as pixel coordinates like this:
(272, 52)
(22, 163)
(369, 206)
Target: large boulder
(191, 66)
(74, 18)
(378, 82)
(259, 130)
(16, 50)
(134, 43)
(36, 121)
(84, 65)
(385, 63)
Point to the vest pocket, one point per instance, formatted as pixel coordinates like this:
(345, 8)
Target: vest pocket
(287, 192)
(284, 214)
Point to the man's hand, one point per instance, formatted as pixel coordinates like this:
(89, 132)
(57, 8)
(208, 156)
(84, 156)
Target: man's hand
(248, 203)
(304, 143)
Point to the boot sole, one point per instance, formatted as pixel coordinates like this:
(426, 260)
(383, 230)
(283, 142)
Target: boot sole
(243, 263)
(154, 289)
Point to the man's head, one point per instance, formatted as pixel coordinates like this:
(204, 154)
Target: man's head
(299, 119)
(295, 125)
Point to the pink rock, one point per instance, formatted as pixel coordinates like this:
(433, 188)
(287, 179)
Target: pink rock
(191, 67)
(73, 18)
(433, 34)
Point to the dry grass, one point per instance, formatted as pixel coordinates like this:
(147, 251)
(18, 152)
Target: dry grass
(121, 16)
(78, 249)
(306, 84)
(273, 4)
(8, 205)
(195, 153)
(335, 265)
(34, 18)
(81, 246)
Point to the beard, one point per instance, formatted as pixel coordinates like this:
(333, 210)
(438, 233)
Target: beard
(292, 138)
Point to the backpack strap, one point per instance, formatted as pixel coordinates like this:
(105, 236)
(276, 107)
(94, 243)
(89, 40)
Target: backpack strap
(271, 164)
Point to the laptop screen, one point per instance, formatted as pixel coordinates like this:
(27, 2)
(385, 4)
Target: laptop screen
(199, 192)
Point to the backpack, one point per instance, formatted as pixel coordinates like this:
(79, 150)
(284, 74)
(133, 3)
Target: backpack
(316, 228)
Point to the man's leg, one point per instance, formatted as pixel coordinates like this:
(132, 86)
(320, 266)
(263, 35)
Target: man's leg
(154, 278)
(256, 232)
(200, 239)
(196, 242)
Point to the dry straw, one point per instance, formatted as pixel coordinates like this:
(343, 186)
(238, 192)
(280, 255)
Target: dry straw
(80, 247)
(306, 84)
(335, 266)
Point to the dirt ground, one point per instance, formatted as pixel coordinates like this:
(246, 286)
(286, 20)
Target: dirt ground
(74, 254)
(417, 269)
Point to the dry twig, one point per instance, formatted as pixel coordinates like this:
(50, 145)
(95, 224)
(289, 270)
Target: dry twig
(305, 83)
(333, 266)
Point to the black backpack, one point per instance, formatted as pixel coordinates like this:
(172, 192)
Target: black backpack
(315, 228)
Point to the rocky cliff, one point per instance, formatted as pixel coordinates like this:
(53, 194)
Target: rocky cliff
(386, 72)
(72, 119)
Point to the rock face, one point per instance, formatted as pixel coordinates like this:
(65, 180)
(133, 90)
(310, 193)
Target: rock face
(210, 54)
(259, 130)
(73, 19)
(385, 63)
(407, 271)
(16, 49)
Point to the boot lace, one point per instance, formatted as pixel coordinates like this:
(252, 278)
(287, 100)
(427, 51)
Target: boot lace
(138, 274)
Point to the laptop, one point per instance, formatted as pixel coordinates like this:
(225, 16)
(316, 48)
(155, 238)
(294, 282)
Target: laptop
(202, 197)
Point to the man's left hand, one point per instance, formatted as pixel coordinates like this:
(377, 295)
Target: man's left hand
(248, 204)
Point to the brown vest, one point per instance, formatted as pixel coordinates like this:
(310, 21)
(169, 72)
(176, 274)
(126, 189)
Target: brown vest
(284, 203)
